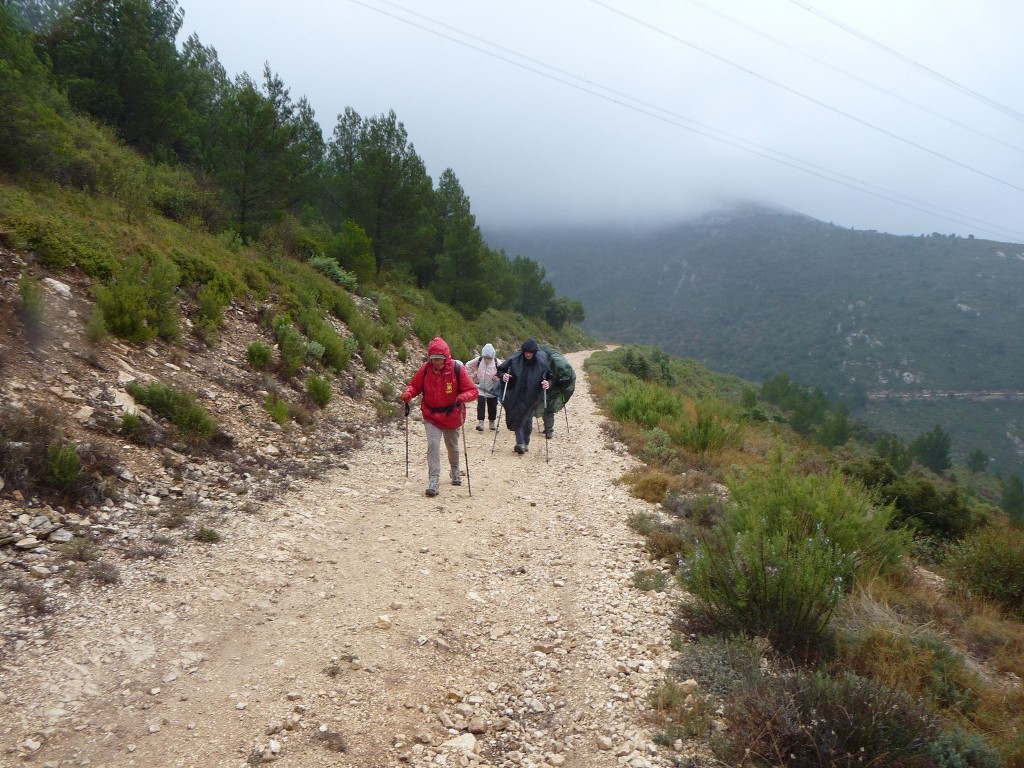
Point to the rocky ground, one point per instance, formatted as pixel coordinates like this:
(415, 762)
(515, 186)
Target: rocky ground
(342, 618)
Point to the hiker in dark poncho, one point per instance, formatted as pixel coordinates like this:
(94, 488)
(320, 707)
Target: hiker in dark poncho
(526, 376)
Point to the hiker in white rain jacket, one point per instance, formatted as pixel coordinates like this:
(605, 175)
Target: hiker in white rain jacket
(483, 370)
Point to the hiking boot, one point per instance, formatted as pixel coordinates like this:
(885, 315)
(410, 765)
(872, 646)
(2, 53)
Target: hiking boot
(456, 476)
(493, 427)
(520, 448)
(432, 486)
(480, 426)
(549, 433)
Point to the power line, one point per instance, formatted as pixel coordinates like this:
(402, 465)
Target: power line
(804, 96)
(853, 76)
(680, 121)
(907, 60)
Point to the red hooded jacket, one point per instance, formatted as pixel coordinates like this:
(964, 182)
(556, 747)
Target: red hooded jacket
(444, 398)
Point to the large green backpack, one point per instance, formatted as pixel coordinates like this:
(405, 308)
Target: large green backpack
(564, 383)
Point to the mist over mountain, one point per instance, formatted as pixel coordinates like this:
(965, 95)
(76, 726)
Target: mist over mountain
(910, 331)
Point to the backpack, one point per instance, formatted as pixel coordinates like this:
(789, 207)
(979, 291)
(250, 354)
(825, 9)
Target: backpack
(564, 383)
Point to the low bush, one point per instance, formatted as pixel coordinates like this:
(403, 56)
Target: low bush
(290, 346)
(701, 509)
(713, 429)
(663, 542)
(990, 562)
(319, 389)
(650, 484)
(812, 719)
(63, 464)
(212, 299)
(333, 271)
(259, 355)
(643, 403)
(190, 419)
(140, 302)
(788, 549)
(371, 360)
(277, 407)
(918, 662)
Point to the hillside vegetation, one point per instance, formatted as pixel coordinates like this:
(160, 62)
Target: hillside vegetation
(908, 331)
(850, 606)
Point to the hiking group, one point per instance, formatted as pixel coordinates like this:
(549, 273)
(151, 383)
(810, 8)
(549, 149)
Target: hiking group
(535, 381)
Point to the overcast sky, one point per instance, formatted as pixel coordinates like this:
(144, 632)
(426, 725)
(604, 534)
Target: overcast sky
(553, 111)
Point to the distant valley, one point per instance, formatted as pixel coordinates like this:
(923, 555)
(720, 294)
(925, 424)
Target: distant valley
(909, 331)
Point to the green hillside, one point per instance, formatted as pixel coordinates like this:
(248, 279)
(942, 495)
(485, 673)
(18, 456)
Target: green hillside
(860, 314)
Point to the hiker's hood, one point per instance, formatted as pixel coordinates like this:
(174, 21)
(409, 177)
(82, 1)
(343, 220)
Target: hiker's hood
(439, 346)
(530, 346)
(487, 351)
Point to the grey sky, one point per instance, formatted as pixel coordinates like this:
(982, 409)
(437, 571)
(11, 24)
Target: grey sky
(554, 111)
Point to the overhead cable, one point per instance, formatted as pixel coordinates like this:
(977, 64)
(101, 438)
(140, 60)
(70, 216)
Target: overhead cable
(856, 77)
(906, 59)
(811, 99)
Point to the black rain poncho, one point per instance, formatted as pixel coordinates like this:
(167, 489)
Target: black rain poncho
(523, 391)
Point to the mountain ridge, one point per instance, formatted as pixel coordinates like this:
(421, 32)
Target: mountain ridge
(753, 292)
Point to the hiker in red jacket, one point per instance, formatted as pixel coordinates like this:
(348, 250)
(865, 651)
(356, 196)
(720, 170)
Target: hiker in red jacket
(446, 388)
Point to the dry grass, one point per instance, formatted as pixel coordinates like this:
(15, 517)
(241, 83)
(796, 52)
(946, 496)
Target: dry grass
(651, 484)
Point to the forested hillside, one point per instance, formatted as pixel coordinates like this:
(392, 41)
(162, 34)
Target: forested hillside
(866, 316)
(100, 99)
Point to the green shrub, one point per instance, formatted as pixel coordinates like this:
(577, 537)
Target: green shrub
(657, 447)
(140, 302)
(291, 348)
(333, 271)
(277, 407)
(319, 389)
(365, 331)
(918, 502)
(315, 352)
(207, 535)
(371, 360)
(713, 430)
(337, 351)
(955, 748)
(789, 548)
(63, 464)
(213, 298)
(192, 421)
(645, 404)
(258, 355)
(131, 425)
(990, 562)
(388, 313)
(104, 572)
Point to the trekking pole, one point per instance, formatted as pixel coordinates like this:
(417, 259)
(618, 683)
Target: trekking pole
(565, 408)
(406, 439)
(497, 424)
(547, 440)
(465, 451)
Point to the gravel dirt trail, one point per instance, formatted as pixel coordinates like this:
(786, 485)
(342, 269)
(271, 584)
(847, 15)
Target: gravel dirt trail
(357, 622)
